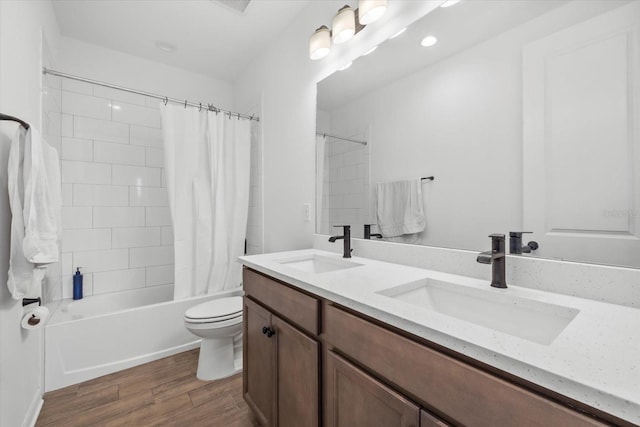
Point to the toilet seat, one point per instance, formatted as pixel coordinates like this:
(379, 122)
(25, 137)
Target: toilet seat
(220, 310)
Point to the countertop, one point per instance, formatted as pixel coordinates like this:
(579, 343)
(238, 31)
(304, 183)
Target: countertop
(594, 360)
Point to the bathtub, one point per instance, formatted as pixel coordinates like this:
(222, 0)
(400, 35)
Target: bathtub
(102, 334)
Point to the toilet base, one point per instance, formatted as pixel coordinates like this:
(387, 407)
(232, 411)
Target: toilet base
(216, 360)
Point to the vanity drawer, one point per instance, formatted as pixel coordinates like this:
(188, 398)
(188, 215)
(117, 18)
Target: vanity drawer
(447, 386)
(301, 309)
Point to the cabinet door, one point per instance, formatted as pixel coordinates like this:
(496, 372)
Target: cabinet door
(354, 398)
(428, 420)
(259, 387)
(297, 376)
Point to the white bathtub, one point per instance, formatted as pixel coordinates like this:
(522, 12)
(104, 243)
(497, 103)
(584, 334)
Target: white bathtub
(106, 333)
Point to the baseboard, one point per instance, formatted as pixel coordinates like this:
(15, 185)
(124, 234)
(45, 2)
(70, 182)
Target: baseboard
(34, 410)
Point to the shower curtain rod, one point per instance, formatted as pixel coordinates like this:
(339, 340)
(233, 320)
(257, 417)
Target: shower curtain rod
(341, 137)
(166, 99)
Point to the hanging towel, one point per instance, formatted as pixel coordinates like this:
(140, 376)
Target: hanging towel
(35, 201)
(400, 208)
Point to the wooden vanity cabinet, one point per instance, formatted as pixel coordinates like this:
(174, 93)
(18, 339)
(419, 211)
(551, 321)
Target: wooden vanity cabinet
(281, 377)
(355, 398)
(371, 374)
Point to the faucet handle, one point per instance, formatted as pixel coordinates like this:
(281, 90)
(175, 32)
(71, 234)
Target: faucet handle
(497, 236)
(519, 233)
(345, 227)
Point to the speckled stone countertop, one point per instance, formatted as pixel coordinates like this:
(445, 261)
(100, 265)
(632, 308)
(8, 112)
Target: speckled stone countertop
(594, 360)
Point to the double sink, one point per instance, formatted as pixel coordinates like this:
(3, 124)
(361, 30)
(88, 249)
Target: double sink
(496, 309)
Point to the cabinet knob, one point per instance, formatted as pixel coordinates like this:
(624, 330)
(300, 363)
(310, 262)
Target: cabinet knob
(268, 331)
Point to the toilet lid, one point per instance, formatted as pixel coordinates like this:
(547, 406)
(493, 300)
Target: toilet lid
(217, 309)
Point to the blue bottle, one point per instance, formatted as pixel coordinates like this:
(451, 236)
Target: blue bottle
(77, 285)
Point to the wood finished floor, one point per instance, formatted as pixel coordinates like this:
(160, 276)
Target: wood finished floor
(161, 393)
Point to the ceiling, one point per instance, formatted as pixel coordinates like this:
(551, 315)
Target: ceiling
(210, 37)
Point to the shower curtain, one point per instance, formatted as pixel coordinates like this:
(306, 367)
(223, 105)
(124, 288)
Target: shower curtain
(207, 160)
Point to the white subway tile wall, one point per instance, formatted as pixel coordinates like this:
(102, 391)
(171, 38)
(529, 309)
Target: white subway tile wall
(346, 192)
(116, 220)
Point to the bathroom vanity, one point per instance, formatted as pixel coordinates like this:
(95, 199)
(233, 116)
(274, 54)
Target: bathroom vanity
(337, 342)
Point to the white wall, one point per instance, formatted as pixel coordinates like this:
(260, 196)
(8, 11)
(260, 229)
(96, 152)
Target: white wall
(286, 79)
(22, 24)
(107, 65)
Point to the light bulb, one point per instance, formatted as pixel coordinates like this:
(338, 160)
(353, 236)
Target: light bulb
(320, 43)
(344, 25)
(371, 10)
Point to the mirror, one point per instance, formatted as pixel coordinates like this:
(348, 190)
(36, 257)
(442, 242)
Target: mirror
(526, 114)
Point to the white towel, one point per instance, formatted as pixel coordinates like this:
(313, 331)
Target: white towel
(35, 200)
(400, 208)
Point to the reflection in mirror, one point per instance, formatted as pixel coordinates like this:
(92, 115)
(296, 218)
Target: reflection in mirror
(523, 111)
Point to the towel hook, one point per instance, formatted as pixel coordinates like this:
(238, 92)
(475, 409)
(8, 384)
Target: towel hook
(166, 100)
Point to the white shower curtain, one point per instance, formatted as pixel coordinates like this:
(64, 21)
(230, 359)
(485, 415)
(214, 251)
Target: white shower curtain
(207, 160)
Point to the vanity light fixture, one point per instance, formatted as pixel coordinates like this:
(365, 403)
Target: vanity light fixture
(449, 3)
(370, 51)
(320, 43)
(429, 41)
(371, 10)
(347, 23)
(398, 33)
(345, 66)
(344, 25)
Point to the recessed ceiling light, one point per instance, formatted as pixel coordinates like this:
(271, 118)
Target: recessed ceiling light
(370, 51)
(398, 33)
(429, 41)
(165, 46)
(449, 3)
(345, 66)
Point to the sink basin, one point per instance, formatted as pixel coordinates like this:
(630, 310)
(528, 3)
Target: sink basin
(314, 263)
(531, 320)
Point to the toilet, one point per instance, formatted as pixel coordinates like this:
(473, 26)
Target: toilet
(219, 324)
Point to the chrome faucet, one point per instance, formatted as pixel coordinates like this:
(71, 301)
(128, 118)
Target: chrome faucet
(347, 240)
(496, 257)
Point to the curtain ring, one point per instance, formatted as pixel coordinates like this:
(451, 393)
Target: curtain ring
(166, 100)
(200, 109)
(185, 103)
(238, 116)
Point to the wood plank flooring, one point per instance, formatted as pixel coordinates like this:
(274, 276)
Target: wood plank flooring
(161, 393)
